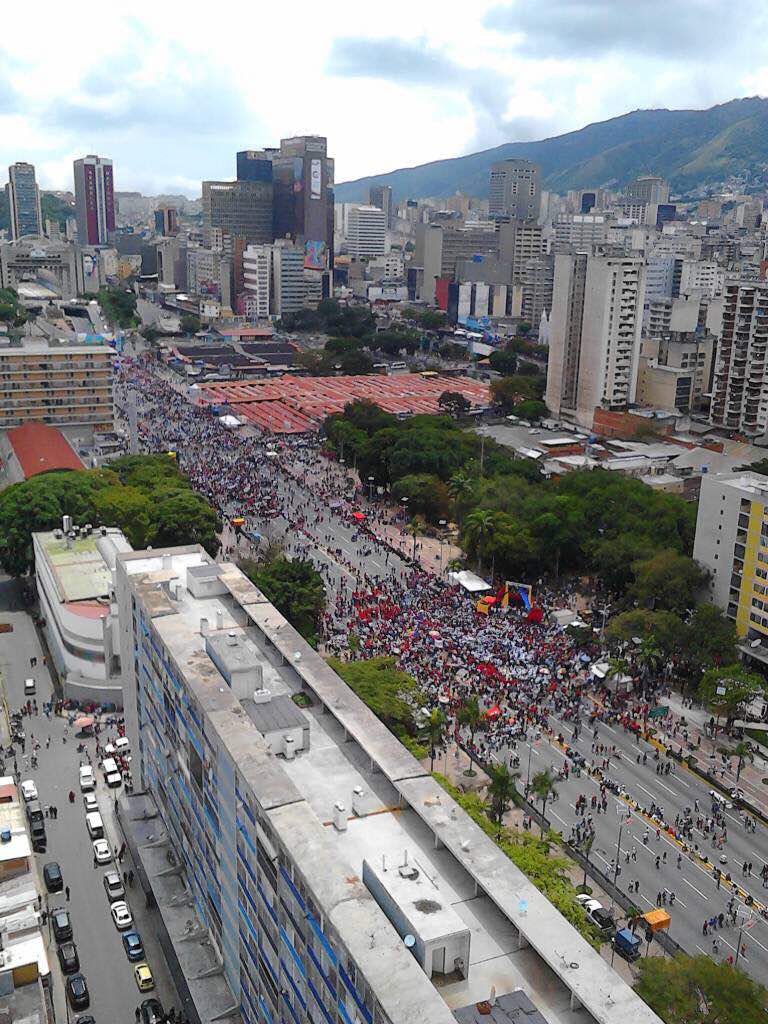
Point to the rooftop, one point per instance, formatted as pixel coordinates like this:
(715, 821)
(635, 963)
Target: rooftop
(82, 571)
(40, 448)
(392, 808)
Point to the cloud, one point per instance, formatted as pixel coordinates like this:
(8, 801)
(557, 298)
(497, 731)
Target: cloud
(681, 29)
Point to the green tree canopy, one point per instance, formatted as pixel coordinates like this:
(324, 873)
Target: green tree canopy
(698, 990)
(503, 362)
(740, 688)
(427, 495)
(118, 306)
(666, 580)
(454, 403)
(295, 588)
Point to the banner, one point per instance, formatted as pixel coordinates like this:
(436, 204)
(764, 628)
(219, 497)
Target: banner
(315, 179)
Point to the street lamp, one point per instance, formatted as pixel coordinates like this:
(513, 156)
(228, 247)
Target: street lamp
(370, 488)
(442, 524)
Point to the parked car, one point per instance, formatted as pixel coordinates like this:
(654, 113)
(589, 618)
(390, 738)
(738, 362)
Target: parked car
(151, 1011)
(77, 992)
(133, 946)
(102, 851)
(68, 958)
(113, 886)
(143, 976)
(90, 803)
(121, 915)
(87, 778)
(28, 790)
(52, 876)
(62, 924)
(597, 914)
(85, 1019)
(29, 688)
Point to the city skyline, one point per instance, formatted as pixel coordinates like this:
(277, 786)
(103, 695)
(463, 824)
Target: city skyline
(171, 108)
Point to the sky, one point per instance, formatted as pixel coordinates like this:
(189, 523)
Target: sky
(171, 91)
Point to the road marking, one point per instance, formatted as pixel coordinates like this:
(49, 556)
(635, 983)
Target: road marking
(659, 783)
(694, 888)
(556, 815)
(650, 794)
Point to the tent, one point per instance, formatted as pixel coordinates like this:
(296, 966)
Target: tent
(359, 516)
(469, 581)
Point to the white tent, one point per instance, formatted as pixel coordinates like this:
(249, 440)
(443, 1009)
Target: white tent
(230, 422)
(470, 581)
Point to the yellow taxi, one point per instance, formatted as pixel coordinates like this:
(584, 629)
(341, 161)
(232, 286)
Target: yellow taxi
(143, 976)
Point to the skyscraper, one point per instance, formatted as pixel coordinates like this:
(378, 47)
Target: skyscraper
(381, 196)
(740, 391)
(594, 345)
(303, 176)
(238, 209)
(23, 201)
(166, 221)
(367, 231)
(94, 200)
(255, 164)
(514, 190)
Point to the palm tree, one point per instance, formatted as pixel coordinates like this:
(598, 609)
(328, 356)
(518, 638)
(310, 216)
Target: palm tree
(479, 528)
(618, 667)
(415, 529)
(744, 753)
(500, 790)
(649, 656)
(460, 488)
(544, 786)
(470, 715)
(434, 732)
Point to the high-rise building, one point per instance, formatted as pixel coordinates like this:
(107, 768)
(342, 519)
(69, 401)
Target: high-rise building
(519, 242)
(94, 200)
(740, 391)
(303, 177)
(255, 164)
(579, 231)
(647, 189)
(166, 221)
(237, 209)
(381, 196)
(367, 232)
(731, 543)
(23, 201)
(289, 285)
(257, 273)
(308, 841)
(595, 328)
(515, 190)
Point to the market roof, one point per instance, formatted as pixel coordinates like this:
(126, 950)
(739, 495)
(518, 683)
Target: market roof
(41, 448)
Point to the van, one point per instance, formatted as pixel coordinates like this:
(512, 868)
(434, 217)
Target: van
(87, 778)
(95, 825)
(29, 688)
(123, 745)
(112, 775)
(34, 812)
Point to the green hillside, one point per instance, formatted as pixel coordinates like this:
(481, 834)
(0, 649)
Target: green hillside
(688, 147)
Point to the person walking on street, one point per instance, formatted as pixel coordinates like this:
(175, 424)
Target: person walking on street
(66, 892)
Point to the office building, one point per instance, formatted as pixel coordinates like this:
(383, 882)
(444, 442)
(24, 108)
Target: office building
(439, 248)
(23, 201)
(367, 232)
(210, 275)
(595, 326)
(647, 189)
(237, 209)
(674, 370)
(61, 384)
(289, 285)
(255, 165)
(257, 275)
(515, 190)
(94, 200)
(381, 196)
(579, 231)
(166, 221)
(537, 288)
(303, 181)
(740, 391)
(77, 604)
(520, 241)
(309, 840)
(731, 543)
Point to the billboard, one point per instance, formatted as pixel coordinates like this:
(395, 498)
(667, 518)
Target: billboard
(314, 255)
(316, 179)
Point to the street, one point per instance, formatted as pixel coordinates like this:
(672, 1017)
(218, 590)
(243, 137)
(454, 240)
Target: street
(113, 991)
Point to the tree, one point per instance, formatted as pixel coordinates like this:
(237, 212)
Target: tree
(531, 409)
(743, 751)
(524, 328)
(427, 495)
(186, 518)
(544, 787)
(434, 732)
(454, 403)
(118, 306)
(295, 588)
(649, 657)
(460, 488)
(432, 319)
(501, 790)
(129, 507)
(740, 688)
(503, 362)
(666, 580)
(689, 990)
(511, 391)
(708, 639)
(470, 715)
(478, 528)
(414, 529)
(190, 324)
(664, 629)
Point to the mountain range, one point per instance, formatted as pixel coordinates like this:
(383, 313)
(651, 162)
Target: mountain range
(690, 148)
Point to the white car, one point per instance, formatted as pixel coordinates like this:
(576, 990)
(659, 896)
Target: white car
(102, 851)
(596, 913)
(28, 790)
(87, 778)
(90, 803)
(121, 915)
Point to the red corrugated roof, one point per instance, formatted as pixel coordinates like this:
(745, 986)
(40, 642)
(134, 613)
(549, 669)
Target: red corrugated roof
(40, 448)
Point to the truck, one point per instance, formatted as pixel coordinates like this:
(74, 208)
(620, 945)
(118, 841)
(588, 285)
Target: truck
(627, 944)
